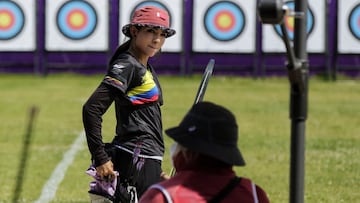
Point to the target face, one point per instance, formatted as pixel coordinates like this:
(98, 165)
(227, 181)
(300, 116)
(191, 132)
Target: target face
(220, 26)
(348, 28)
(76, 19)
(289, 22)
(151, 3)
(11, 20)
(224, 21)
(354, 22)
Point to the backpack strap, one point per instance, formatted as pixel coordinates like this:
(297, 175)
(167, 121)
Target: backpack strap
(226, 190)
(163, 191)
(253, 186)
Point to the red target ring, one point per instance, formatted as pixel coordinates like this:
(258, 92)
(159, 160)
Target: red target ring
(12, 20)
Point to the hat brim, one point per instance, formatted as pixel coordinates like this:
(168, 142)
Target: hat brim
(169, 32)
(228, 154)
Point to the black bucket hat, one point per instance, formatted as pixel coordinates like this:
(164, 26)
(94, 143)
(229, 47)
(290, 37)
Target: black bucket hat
(211, 130)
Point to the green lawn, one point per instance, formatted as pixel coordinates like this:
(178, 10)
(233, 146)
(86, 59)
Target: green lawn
(261, 106)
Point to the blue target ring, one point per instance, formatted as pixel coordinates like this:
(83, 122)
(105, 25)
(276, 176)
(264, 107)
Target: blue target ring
(290, 22)
(151, 3)
(354, 21)
(76, 19)
(224, 21)
(12, 20)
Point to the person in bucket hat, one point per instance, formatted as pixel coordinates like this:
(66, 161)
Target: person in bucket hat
(204, 153)
(150, 16)
(135, 154)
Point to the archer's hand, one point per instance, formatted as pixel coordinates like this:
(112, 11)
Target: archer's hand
(164, 176)
(106, 171)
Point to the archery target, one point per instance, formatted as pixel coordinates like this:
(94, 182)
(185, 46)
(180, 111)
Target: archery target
(175, 10)
(76, 19)
(16, 25)
(349, 27)
(78, 25)
(315, 29)
(224, 26)
(290, 22)
(354, 22)
(11, 20)
(224, 21)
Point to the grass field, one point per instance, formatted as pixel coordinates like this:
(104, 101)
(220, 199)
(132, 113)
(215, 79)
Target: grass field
(261, 106)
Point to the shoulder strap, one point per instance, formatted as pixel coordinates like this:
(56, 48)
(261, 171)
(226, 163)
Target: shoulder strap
(251, 186)
(256, 200)
(226, 190)
(163, 191)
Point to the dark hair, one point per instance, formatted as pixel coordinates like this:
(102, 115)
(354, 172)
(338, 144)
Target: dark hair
(121, 49)
(126, 45)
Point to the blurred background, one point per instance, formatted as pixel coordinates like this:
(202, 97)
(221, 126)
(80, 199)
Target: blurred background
(70, 42)
(47, 36)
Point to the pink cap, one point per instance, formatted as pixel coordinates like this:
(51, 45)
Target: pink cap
(150, 16)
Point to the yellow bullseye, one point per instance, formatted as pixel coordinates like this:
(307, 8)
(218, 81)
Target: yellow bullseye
(5, 20)
(77, 20)
(290, 23)
(224, 21)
